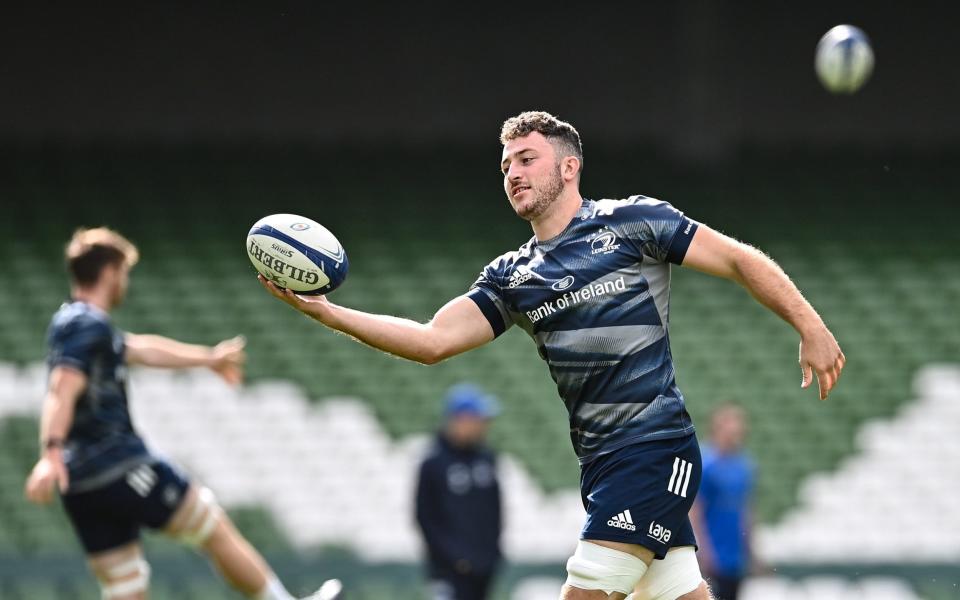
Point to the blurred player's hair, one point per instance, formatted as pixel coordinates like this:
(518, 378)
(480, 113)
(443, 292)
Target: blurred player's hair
(561, 134)
(90, 250)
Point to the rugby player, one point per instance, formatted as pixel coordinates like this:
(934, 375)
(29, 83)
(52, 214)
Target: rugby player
(592, 289)
(110, 483)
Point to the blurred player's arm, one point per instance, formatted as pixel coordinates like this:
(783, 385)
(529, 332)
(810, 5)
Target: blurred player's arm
(716, 254)
(226, 358)
(457, 327)
(66, 385)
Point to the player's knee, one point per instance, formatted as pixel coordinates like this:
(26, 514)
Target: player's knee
(595, 567)
(124, 580)
(201, 520)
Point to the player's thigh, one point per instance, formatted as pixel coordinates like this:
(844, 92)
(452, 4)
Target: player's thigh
(674, 577)
(181, 516)
(197, 519)
(643, 553)
(122, 572)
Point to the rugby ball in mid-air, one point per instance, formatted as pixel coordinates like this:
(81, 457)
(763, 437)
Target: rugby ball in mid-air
(844, 59)
(297, 253)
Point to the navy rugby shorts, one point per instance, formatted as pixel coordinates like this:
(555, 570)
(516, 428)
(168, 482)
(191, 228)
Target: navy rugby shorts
(111, 516)
(642, 494)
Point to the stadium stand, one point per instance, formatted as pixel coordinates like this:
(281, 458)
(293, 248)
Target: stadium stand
(900, 467)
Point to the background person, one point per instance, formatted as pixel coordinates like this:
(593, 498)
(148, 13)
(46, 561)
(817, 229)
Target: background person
(112, 485)
(722, 515)
(458, 499)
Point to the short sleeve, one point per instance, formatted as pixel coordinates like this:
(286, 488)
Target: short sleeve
(487, 293)
(656, 229)
(78, 343)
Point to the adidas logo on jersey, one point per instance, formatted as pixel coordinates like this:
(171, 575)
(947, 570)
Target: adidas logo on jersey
(622, 521)
(659, 532)
(520, 275)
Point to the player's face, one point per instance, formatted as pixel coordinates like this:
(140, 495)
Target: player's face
(729, 430)
(467, 430)
(531, 175)
(119, 277)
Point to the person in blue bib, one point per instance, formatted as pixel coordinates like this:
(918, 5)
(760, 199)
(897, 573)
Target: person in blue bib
(592, 290)
(722, 515)
(110, 483)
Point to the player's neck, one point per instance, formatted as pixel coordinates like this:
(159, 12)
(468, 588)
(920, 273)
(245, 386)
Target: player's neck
(558, 216)
(98, 297)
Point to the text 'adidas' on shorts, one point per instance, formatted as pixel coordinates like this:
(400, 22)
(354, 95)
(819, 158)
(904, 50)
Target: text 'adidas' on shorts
(642, 494)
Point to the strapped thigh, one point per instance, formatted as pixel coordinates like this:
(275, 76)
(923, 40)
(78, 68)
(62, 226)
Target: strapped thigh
(201, 521)
(596, 567)
(678, 573)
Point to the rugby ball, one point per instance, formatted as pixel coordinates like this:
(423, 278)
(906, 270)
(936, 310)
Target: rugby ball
(844, 59)
(297, 253)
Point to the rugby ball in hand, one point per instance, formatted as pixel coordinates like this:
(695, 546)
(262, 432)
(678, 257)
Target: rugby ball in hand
(297, 253)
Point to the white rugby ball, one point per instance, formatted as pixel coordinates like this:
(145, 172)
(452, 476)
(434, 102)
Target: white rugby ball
(297, 253)
(844, 59)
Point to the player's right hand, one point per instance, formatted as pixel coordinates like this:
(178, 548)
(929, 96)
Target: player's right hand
(316, 307)
(47, 475)
(820, 354)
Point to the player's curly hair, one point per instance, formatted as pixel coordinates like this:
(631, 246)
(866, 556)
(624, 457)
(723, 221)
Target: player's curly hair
(90, 250)
(561, 134)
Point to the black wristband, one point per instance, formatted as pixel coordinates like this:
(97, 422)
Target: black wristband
(53, 443)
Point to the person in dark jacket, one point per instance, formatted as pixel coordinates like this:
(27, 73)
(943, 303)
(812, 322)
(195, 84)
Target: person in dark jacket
(458, 499)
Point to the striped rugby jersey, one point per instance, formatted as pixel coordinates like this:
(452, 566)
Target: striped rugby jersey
(102, 444)
(595, 300)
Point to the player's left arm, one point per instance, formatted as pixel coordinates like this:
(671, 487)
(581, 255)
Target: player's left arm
(716, 254)
(225, 359)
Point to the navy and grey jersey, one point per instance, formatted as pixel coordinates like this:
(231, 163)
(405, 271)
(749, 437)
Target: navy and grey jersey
(102, 444)
(595, 300)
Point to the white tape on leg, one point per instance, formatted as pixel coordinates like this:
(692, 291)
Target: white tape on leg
(203, 519)
(595, 567)
(139, 583)
(668, 579)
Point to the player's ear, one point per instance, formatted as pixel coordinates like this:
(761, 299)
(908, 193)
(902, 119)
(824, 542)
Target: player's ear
(108, 272)
(569, 168)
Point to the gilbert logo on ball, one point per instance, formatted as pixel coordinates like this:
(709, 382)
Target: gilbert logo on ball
(297, 253)
(844, 59)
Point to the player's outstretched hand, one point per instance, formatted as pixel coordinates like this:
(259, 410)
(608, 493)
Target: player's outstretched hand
(312, 306)
(47, 474)
(228, 359)
(820, 353)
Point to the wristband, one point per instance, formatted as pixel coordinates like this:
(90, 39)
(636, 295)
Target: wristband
(53, 443)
